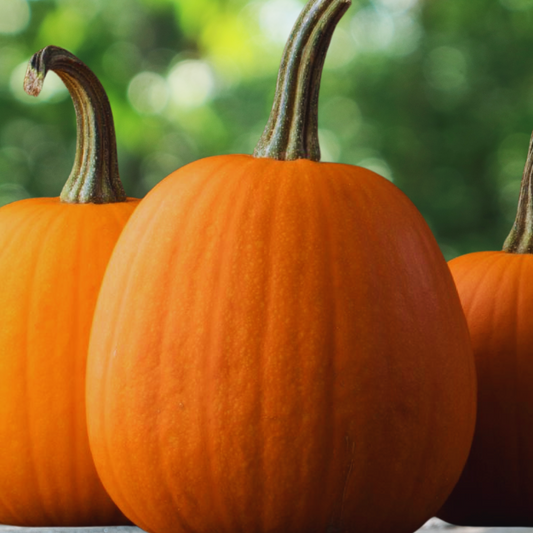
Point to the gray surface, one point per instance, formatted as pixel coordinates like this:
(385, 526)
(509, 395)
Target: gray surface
(433, 525)
(113, 529)
(438, 525)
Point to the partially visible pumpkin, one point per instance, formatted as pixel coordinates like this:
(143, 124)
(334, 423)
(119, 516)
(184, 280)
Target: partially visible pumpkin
(53, 254)
(278, 345)
(496, 291)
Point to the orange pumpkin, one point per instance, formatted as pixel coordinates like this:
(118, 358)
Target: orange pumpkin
(53, 254)
(496, 291)
(278, 344)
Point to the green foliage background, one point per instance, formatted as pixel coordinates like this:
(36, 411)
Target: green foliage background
(436, 95)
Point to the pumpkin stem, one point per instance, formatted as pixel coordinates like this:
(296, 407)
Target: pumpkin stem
(94, 177)
(520, 240)
(292, 129)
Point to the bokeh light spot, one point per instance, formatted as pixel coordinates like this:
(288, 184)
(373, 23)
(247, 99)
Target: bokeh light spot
(377, 165)
(158, 165)
(14, 16)
(511, 156)
(445, 69)
(407, 35)
(372, 29)
(341, 51)
(12, 192)
(122, 60)
(148, 93)
(65, 27)
(192, 83)
(397, 5)
(517, 5)
(10, 57)
(330, 147)
(277, 18)
(14, 164)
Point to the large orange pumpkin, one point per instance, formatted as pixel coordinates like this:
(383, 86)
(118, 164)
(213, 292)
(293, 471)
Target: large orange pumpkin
(496, 291)
(278, 345)
(53, 254)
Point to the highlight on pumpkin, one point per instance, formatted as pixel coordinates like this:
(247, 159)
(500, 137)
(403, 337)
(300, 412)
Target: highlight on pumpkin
(94, 177)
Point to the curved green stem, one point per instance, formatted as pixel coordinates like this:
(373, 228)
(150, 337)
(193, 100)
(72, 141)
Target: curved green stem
(292, 129)
(520, 240)
(94, 177)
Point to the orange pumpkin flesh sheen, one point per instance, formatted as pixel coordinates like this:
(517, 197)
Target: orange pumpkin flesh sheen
(496, 487)
(278, 346)
(53, 254)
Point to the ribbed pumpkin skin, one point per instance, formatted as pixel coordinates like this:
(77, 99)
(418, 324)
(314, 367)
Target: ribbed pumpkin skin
(496, 487)
(279, 347)
(52, 259)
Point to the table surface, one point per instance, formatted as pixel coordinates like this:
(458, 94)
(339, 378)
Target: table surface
(433, 525)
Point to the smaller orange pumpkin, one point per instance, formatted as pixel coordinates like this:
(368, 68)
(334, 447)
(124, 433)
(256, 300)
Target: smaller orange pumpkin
(496, 291)
(53, 254)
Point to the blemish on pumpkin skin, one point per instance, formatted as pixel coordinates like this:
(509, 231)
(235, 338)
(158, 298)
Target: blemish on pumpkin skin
(350, 448)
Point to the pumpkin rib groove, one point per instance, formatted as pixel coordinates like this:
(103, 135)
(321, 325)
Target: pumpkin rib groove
(159, 353)
(339, 189)
(300, 179)
(239, 217)
(325, 191)
(14, 239)
(484, 277)
(89, 248)
(274, 263)
(126, 508)
(55, 221)
(347, 199)
(117, 214)
(25, 223)
(77, 299)
(521, 479)
(193, 209)
(188, 208)
(218, 191)
(337, 193)
(264, 213)
(15, 231)
(265, 355)
(78, 467)
(526, 487)
(495, 258)
(107, 449)
(48, 242)
(513, 437)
